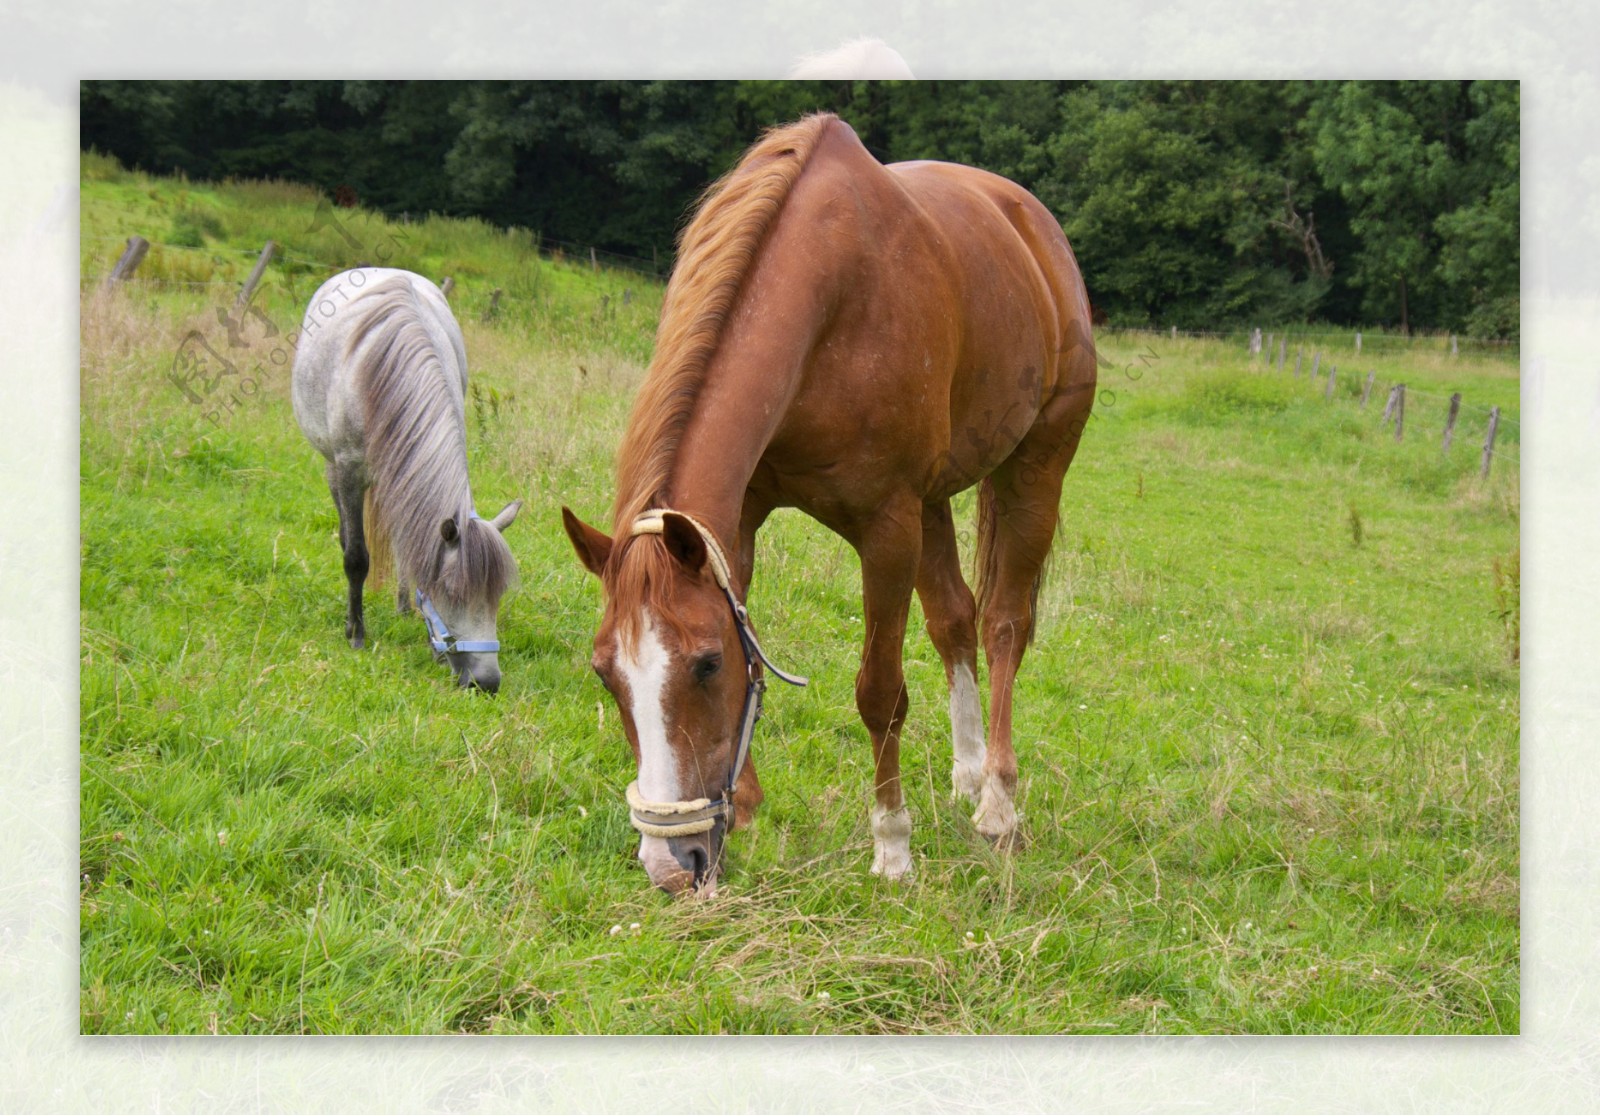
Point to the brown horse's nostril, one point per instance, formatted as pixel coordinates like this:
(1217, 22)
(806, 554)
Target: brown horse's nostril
(692, 856)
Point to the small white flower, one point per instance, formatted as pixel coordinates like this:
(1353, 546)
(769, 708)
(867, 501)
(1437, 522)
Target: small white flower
(1083, 707)
(823, 996)
(615, 930)
(633, 926)
(971, 936)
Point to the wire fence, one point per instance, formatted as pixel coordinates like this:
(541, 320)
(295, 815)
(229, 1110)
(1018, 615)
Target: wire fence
(547, 248)
(1356, 338)
(1494, 447)
(1256, 348)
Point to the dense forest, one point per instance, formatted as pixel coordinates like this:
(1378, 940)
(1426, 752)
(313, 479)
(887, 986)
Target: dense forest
(1197, 204)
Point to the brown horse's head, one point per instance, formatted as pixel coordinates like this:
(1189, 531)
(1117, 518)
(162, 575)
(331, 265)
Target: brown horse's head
(668, 651)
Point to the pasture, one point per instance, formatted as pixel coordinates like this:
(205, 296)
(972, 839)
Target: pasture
(1267, 735)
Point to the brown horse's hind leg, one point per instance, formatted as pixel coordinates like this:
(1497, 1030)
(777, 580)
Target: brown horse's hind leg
(952, 625)
(889, 546)
(1019, 522)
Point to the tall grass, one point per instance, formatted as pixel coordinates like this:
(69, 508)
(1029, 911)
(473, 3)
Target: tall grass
(1269, 780)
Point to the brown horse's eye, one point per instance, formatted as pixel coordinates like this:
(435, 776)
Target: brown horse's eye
(705, 666)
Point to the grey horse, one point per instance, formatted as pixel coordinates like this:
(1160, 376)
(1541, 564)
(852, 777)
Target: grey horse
(380, 381)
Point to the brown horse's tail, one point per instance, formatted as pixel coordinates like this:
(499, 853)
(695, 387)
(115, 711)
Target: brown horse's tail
(380, 554)
(988, 560)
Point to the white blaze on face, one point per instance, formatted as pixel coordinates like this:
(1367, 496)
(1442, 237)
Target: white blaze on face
(644, 671)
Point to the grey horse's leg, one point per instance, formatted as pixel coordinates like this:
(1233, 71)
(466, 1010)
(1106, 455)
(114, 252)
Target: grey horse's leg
(346, 483)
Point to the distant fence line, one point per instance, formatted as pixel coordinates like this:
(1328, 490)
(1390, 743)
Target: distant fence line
(570, 252)
(1356, 337)
(137, 247)
(1394, 410)
(556, 250)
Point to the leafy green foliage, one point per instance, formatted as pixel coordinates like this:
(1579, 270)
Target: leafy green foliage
(1196, 204)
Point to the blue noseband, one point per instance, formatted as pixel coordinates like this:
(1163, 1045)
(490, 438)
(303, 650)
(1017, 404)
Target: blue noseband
(439, 634)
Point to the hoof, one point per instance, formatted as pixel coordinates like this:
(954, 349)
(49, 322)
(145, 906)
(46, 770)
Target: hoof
(891, 864)
(996, 817)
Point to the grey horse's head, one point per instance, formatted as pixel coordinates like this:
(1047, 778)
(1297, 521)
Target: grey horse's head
(461, 603)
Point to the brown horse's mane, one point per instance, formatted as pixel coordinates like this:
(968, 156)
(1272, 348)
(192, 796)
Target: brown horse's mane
(714, 256)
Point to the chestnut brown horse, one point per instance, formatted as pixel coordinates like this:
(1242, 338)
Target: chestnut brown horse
(861, 342)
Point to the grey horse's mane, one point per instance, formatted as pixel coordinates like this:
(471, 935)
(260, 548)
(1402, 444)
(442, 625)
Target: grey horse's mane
(416, 451)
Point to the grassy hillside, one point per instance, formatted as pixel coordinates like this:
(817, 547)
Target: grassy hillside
(1268, 733)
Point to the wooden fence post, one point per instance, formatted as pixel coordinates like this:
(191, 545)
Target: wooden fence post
(1358, 342)
(1450, 421)
(1283, 345)
(1255, 343)
(1316, 362)
(132, 257)
(1366, 391)
(249, 289)
(446, 286)
(1298, 353)
(1488, 441)
(1174, 333)
(1388, 408)
(1452, 344)
(1400, 412)
(1333, 370)
(494, 305)
(594, 264)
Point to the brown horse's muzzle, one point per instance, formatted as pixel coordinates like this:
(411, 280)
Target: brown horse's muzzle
(681, 864)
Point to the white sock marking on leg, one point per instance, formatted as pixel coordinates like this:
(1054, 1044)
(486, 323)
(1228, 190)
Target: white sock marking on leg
(891, 842)
(966, 732)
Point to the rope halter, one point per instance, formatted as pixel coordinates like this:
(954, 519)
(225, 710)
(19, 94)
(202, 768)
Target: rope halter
(682, 819)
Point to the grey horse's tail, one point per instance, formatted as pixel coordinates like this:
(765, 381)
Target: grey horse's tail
(380, 552)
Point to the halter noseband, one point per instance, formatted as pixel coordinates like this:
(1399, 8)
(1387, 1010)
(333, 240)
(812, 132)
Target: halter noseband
(681, 819)
(439, 635)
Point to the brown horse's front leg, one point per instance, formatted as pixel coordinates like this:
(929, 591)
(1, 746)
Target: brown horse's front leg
(890, 551)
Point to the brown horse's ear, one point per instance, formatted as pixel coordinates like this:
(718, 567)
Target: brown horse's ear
(684, 541)
(447, 530)
(593, 547)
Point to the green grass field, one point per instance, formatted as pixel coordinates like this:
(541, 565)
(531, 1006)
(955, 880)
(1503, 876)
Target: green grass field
(1268, 732)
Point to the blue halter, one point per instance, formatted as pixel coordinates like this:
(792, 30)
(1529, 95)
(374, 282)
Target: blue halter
(439, 634)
